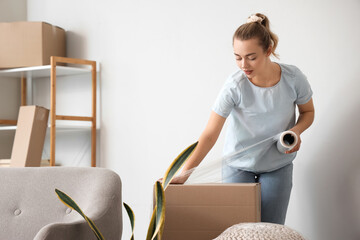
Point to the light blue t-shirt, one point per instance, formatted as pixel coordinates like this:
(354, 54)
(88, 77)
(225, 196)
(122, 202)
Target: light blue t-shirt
(257, 113)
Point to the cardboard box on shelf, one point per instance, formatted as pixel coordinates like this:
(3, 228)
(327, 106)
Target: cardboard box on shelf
(25, 44)
(29, 136)
(204, 211)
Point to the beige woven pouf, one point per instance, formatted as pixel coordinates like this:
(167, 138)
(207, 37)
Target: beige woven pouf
(259, 231)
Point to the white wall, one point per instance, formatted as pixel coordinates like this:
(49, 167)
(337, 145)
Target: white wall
(163, 63)
(13, 10)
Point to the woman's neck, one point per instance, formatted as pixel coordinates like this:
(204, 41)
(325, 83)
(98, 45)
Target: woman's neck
(269, 77)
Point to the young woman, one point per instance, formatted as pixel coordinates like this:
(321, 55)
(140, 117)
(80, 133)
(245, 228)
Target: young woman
(260, 100)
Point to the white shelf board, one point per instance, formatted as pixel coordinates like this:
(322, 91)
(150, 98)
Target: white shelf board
(59, 127)
(5, 128)
(42, 71)
(71, 128)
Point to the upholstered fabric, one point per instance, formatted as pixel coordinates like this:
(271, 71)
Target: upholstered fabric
(259, 231)
(30, 208)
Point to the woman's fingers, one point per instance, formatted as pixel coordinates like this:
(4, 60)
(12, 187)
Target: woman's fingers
(296, 148)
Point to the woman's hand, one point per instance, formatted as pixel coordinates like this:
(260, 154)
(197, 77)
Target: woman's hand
(297, 146)
(179, 179)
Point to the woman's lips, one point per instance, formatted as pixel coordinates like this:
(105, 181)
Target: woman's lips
(248, 72)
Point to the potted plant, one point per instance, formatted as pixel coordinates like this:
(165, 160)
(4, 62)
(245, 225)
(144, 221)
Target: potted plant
(157, 221)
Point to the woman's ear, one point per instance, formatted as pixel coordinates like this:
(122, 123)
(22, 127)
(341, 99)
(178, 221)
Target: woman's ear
(269, 51)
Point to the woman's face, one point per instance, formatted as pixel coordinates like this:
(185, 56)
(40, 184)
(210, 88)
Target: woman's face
(250, 56)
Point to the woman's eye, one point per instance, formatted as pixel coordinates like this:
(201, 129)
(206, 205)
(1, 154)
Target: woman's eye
(238, 59)
(252, 59)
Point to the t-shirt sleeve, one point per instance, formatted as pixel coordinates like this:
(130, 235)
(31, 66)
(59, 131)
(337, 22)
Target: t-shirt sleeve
(226, 100)
(302, 88)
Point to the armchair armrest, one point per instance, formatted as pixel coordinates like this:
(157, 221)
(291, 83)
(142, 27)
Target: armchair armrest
(66, 231)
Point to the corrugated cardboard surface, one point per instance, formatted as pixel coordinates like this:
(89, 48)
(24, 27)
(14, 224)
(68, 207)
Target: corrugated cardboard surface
(25, 44)
(202, 212)
(29, 136)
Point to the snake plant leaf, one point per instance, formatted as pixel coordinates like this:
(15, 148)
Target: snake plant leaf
(132, 219)
(177, 164)
(155, 229)
(160, 209)
(69, 202)
(72, 204)
(151, 228)
(158, 217)
(161, 231)
(170, 173)
(95, 230)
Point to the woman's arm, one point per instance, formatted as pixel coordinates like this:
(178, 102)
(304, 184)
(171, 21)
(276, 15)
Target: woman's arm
(206, 142)
(306, 118)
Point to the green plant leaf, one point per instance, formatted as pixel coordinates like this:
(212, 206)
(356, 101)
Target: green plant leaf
(158, 217)
(155, 229)
(160, 208)
(71, 204)
(132, 219)
(157, 221)
(177, 164)
(151, 228)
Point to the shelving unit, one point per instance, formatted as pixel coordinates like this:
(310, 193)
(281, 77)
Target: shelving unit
(55, 70)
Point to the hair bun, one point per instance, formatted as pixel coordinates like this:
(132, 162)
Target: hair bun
(254, 18)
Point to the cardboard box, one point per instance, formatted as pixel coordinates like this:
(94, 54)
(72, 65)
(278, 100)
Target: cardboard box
(204, 211)
(25, 44)
(29, 136)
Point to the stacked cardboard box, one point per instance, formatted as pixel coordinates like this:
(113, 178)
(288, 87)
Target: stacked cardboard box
(25, 44)
(29, 137)
(204, 211)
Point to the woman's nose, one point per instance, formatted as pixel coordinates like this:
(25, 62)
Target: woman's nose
(244, 64)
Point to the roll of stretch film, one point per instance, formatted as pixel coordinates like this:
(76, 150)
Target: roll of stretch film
(286, 141)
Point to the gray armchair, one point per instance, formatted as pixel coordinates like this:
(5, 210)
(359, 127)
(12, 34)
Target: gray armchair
(30, 208)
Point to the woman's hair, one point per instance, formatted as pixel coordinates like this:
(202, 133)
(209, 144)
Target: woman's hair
(258, 26)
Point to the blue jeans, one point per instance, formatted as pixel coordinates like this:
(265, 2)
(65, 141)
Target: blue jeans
(275, 189)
